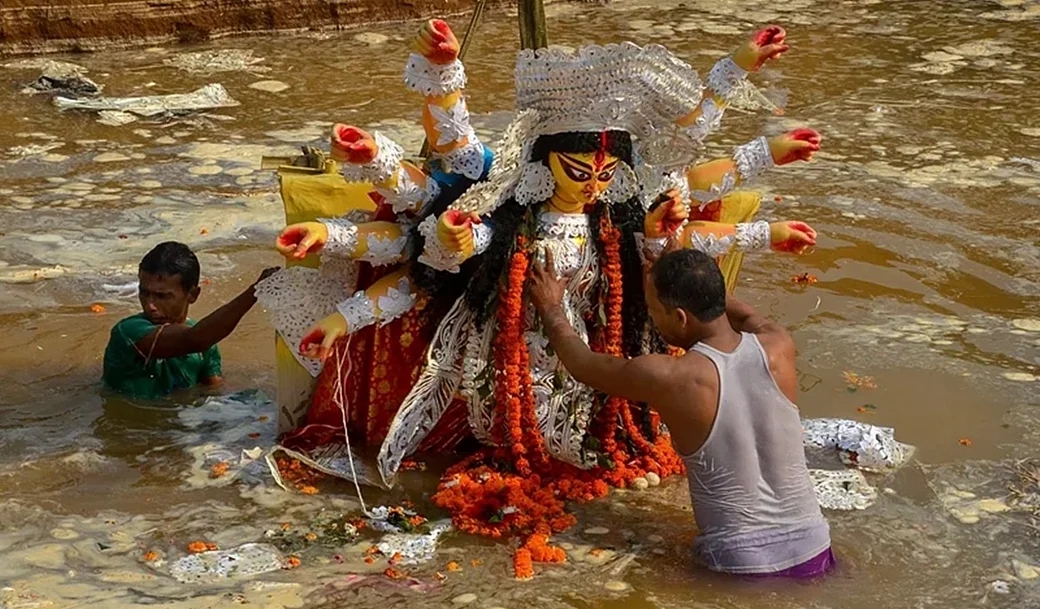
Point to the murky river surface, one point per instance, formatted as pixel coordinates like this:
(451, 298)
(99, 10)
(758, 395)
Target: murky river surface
(929, 282)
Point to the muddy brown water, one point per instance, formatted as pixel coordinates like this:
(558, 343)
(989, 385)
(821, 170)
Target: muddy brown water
(928, 283)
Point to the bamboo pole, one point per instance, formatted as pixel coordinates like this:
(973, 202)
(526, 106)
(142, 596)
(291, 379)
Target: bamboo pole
(533, 33)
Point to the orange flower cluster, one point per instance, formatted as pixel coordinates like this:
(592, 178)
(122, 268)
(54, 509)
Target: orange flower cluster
(517, 489)
(299, 475)
(198, 547)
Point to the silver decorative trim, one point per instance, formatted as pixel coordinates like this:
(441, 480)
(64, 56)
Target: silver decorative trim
(358, 310)
(753, 236)
(753, 159)
(388, 159)
(343, 237)
(428, 78)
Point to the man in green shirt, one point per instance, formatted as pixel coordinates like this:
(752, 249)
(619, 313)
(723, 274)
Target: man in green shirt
(153, 353)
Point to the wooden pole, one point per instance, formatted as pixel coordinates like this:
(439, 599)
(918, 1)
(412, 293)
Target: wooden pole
(533, 33)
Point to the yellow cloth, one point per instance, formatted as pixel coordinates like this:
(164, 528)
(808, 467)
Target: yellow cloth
(736, 208)
(308, 196)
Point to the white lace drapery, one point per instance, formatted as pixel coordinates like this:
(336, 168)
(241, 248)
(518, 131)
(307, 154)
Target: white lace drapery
(458, 357)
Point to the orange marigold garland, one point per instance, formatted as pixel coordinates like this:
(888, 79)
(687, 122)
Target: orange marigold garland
(516, 489)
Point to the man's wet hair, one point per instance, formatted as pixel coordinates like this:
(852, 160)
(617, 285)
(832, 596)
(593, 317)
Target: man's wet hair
(690, 280)
(171, 258)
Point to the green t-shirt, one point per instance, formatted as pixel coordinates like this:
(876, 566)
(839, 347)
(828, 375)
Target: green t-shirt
(126, 372)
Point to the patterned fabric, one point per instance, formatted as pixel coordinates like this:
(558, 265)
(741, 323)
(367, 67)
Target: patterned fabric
(385, 362)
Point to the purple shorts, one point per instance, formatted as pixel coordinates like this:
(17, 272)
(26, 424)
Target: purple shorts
(816, 566)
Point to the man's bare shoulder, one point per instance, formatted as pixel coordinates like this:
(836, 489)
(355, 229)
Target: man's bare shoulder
(698, 368)
(776, 340)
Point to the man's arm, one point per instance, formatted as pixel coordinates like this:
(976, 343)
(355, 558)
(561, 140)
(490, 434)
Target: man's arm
(177, 340)
(745, 319)
(640, 379)
(777, 341)
(211, 374)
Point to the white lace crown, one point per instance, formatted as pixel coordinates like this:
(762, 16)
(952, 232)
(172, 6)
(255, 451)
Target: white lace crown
(618, 86)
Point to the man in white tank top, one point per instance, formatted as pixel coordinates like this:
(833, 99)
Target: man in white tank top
(729, 406)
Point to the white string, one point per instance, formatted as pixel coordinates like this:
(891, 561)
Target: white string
(338, 399)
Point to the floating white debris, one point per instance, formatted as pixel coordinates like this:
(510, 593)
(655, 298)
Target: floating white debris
(937, 69)
(223, 60)
(860, 444)
(115, 118)
(414, 548)
(33, 149)
(980, 48)
(1024, 571)
(333, 459)
(207, 98)
(941, 57)
(270, 86)
(1021, 377)
(205, 170)
(842, 489)
(110, 157)
(1029, 325)
(243, 561)
(1000, 587)
(371, 38)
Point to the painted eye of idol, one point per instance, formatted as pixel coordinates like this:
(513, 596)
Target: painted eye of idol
(580, 171)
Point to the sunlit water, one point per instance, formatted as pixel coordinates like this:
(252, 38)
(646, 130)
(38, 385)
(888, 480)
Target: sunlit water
(929, 282)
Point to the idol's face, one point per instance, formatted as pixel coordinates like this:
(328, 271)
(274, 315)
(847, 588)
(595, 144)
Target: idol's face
(580, 177)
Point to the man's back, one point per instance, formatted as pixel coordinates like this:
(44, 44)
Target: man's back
(749, 483)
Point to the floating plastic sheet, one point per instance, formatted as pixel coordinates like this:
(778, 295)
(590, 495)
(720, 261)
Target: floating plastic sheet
(842, 489)
(861, 445)
(207, 98)
(244, 561)
(232, 430)
(414, 548)
(331, 459)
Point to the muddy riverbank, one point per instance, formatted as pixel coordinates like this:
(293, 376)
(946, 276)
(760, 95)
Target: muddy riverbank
(54, 26)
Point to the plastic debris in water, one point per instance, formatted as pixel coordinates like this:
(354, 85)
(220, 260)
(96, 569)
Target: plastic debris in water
(221, 60)
(842, 489)
(243, 561)
(861, 445)
(1000, 587)
(207, 98)
(413, 548)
